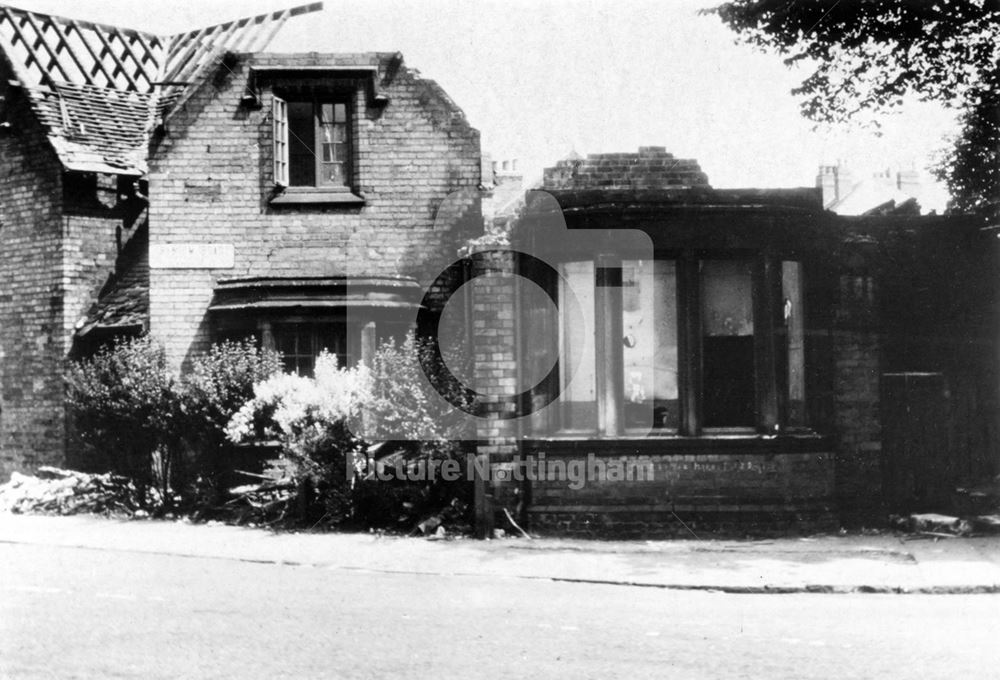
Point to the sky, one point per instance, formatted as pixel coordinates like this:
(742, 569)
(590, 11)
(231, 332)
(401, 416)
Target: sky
(540, 79)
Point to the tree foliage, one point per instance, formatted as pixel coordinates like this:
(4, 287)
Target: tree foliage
(870, 55)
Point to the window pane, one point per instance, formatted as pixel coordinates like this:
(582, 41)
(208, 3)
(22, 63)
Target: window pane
(301, 144)
(728, 395)
(649, 326)
(791, 293)
(727, 295)
(301, 343)
(333, 173)
(333, 148)
(340, 113)
(576, 333)
(326, 114)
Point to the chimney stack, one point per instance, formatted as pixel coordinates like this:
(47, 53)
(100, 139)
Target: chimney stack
(908, 182)
(835, 181)
(506, 172)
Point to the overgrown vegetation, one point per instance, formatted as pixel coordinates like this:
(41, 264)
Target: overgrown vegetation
(329, 433)
(134, 418)
(125, 408)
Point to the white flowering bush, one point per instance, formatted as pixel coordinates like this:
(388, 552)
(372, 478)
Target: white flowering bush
(310, 418)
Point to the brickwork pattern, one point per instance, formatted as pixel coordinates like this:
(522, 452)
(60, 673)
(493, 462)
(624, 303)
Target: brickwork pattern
(211, 182)
(31, 304)
(495, 355)
(51, 266)
(665, 495)
(651, 168)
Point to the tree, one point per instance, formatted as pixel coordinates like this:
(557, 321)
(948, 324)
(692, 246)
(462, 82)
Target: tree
(870, 55)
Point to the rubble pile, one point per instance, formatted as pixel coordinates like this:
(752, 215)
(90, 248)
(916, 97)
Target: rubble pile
(933, 524)
(67, 492)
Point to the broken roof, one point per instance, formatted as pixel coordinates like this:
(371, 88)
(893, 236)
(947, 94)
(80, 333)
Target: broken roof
(100, 90)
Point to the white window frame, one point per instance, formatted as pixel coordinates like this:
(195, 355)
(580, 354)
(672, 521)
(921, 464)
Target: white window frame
(280, 118)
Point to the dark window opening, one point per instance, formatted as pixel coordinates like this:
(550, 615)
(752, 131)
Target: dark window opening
(300, 344)
(728, 391)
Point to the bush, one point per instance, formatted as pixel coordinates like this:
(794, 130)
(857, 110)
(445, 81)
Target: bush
(407, 379)
(310, 418)
(135, 418)
(324, 461)
(125, 408)
(220, 382)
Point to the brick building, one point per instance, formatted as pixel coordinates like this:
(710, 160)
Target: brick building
(772, 365)
(196, 188)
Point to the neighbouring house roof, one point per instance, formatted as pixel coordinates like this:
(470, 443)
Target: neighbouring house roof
(96, 129)
(100, 90)
(796, 199)
(873, 197)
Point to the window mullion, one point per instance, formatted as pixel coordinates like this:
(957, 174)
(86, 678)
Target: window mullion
(689, 344)
(318, 142)
(608, 310)
(766, 288)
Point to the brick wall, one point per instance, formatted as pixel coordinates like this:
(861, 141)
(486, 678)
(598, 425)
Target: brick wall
(654, 494)
(211, 182)
(495, 352)
(31, 303)
(52, 263)
(857, 351)
(651, 168)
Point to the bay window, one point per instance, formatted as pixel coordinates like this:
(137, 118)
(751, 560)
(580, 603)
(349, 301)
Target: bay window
(692, 344)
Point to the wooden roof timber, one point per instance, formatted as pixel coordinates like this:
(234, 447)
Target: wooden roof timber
(188, 51)
(52, 56)
(202, 50)
(98, 88)
(122, 58)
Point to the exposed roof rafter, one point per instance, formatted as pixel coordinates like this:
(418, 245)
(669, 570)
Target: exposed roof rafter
(52, 57)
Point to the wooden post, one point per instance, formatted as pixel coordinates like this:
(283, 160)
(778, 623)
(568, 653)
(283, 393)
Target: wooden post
(608, 345)
(766, 308)
(689, 344)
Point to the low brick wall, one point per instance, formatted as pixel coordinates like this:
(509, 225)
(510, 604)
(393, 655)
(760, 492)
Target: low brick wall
(643, 493)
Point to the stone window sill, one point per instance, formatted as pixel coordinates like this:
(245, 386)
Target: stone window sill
(317, 196)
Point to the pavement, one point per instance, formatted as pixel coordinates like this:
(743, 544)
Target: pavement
(882, 563)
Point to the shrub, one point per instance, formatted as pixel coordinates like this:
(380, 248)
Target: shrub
(125, 409)
(220, 382)
(310, 418)
(408, 380)
(322, 457)
(134, 417)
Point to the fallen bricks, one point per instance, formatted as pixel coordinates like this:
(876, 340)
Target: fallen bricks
(66, 492)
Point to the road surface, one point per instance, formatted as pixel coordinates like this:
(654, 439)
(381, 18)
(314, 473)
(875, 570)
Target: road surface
(86, 613)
